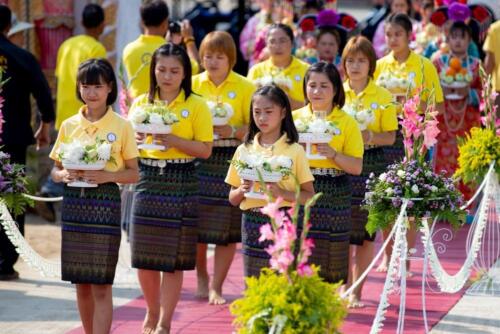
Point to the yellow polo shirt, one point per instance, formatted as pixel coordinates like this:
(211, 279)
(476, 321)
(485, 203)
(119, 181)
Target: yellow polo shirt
(492, 44)
(300, 168)
(379, 100)
(348, 142)
(71, 54)
(137, 58)
(111, 127)
(235, 90)
(195, 123)
(418, 69)
(296, 72)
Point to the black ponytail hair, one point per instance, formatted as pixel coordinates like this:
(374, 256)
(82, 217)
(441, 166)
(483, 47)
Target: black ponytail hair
(278, 97)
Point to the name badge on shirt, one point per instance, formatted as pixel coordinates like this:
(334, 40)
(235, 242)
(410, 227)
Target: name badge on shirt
(412, 75)
(185, 113)
(231, 95)
(374, 105)
(297, 78)
(111, 137)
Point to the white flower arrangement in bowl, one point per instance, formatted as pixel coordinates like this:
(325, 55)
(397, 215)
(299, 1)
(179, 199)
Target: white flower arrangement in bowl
(85, 156)
(315, 131)
(153, 118)
(221, 113)
(363, 116)
(278, 79)
(395, 82)
(252, 166)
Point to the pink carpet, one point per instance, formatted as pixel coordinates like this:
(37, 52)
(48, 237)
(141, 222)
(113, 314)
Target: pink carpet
(195, 316)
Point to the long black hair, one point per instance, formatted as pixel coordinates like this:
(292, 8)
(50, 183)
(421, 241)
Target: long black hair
(331, 72)
(170, 50)
(97, 72)
(278, 97)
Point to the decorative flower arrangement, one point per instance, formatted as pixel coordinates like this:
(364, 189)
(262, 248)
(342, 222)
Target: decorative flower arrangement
(221, 112)
(315, 130)
(430, 194)
(254, 166)
(396, 82)
(455, 76)
(429, 34)
(277, 78)
(482, 146)
(13, 183)
(2, 100)
(363, 116)
(124, 98)
(154, 118)
(81, 154)
(290, 297)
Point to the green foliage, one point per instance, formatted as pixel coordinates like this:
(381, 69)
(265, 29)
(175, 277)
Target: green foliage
(272, 305)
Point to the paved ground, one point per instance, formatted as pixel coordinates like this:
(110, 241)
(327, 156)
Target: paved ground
(35, 304)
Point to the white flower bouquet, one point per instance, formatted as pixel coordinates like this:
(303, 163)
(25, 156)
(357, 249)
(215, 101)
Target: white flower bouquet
(253, 166)
(221, 112)
(395, 82)
(315, 131)
(78, 155)
(153, 118)
(278, 79)
(363, 116)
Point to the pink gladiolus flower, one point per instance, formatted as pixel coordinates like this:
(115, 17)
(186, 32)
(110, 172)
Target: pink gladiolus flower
(266, 233)
(493, 95)
(430, 133)
(304, 269)
(307, 247)
(272, 209)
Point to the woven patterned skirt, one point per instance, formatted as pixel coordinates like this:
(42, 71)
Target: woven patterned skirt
(90, 234)
(163, 233)
(395, 152)
(219, 221)
(331, 227)
(254, 255)
(373, 162)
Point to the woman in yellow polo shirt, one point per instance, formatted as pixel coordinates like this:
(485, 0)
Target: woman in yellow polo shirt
(163, 232)
(220, 222)
(402, 63)
(418, 72)
(361, 92)
(272, 133)
(282, 68)
(91, 229)
(331, 216)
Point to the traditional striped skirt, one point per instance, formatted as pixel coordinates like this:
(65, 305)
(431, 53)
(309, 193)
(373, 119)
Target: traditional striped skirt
(219, 221)
(395, 152)
(163, 233)
(331, 227)
(373, 162)
(255, 256)
(90, 234)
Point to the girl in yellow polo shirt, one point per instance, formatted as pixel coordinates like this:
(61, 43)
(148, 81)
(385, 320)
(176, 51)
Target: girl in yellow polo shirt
(282, 67)
(91, 230)
(361, 92)
(271, 132)
(402, 62)
(163, 232)
(331, 216)
(220, 222)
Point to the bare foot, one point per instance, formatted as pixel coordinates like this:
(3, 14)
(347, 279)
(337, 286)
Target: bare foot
(162, 330)
(354, 302)
(149, 324)
(202, 290)
(215, 298)
(382, 268)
